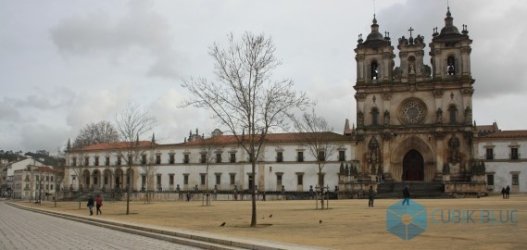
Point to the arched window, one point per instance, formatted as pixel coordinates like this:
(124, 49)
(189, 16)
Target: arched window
(451, 66)
(374, 70)
(374, 116)
(452, 110)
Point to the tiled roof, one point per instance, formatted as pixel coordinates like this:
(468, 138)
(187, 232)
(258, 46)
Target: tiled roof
(507, 134)
(112, 146)
(270, 138)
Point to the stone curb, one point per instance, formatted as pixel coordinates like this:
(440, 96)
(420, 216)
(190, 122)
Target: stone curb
(195, 240)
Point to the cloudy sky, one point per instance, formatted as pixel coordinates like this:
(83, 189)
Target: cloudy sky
(64, 64)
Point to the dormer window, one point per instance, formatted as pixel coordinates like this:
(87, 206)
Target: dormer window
(374, 70)
(451, 66)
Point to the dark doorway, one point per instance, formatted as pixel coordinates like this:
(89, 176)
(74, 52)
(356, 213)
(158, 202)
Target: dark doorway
(413, 166)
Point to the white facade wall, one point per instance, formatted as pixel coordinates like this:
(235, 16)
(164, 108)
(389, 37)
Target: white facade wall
(502, 167)
(266, 169)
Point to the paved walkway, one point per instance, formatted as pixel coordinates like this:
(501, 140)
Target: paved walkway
(20, 229)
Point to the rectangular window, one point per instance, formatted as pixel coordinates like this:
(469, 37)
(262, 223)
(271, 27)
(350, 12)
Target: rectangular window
(203, 158)
(490, 179)
(105, 180)
(186, 159)
(171, 179)
(185, 179)
(279, 179)
(321, 156)
(107, 161)
(490, 154)
(119, 161)
(51, 187)
(515, 179)
(47, 177)
(51, 178)
(159, 182)
(130, 160)
(300, 179)
(86, 161)
(342, 155)
(300, 156)
(158, 159)
(171, 159)
(233, 158)
(203, 177)
(232, 178)
(74, 161)
(218, 157)
(143, 159)
(514, 154)
(143, 181)
(321, 179)
(218, 178)
(279, 156)
(96, 160)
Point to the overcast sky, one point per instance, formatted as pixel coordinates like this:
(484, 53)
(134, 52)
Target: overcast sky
(64, 64)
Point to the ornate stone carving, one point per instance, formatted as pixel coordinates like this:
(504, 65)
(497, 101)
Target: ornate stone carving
(360, 96)
(374, 156)
(438, 93)
(467, 91)
(386, 117)
(360, 119)
(412, 111)
(439, 116)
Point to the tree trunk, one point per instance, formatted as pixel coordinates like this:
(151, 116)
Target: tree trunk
(128, 192)
(253, 194)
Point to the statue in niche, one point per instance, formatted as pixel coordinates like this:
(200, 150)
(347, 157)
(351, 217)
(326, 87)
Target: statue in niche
(374, 155)
(386, 117)
(439, 116)
(453, 149)
(411, 71)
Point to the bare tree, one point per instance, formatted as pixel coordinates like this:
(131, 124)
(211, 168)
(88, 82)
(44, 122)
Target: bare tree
(133, 123)
(149, 171)
(317, 136)
(244, 98)
(101, 132)
(210, 147)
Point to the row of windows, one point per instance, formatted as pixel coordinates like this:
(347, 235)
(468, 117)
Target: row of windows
(232, 179)
(515, 179)
(514, 155)
(205, 157)
(37, 178)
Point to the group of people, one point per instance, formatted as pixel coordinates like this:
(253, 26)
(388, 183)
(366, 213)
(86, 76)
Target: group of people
(406, 196)
(97, 203)
(505, 192)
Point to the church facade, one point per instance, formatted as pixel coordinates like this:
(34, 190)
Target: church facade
(414, 126)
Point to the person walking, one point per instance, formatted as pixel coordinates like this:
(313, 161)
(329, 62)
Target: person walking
(371, 196)
(406, 195)
(503, 192)
(90, 204)
(507, 192)
(98, 204)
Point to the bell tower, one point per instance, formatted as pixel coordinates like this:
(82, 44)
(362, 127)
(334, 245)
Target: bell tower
(450, 51)
(374, 57)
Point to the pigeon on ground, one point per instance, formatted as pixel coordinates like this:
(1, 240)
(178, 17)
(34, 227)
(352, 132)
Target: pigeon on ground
(222, 224)
(320, 222)
(271, 216)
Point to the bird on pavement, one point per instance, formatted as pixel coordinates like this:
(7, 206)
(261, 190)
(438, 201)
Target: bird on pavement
(222, 224)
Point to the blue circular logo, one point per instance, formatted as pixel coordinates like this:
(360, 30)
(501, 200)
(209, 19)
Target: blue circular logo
(406, 221)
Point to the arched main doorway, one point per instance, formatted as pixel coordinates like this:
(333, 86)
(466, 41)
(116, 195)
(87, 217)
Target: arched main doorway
(413, 166)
